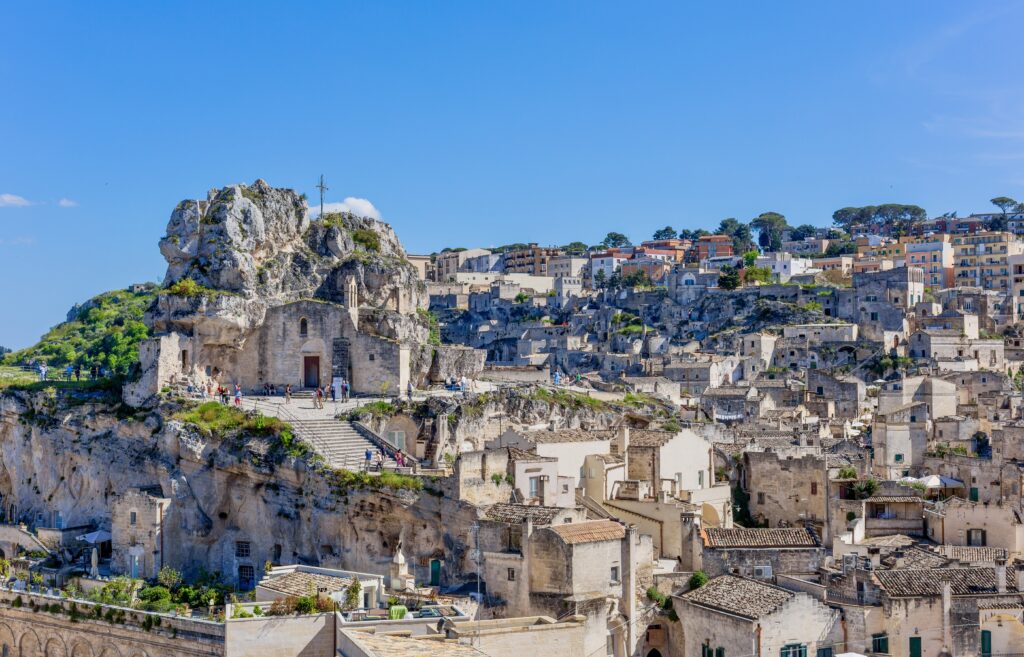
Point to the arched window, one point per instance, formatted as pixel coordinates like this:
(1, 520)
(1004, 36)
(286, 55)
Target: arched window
(303, 327)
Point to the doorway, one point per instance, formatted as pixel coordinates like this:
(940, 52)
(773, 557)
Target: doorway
(311, 371)
(435, 572)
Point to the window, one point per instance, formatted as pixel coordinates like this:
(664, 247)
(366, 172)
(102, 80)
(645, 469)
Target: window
(511, 574)
(372, 357)
(880, 643)
(534, 486)
(303, 328)
(814, 488)
(132, 518)
(615, 575)
(760, 498)
(793, 650)
(898, 458)
(874, 317)
(565, 488)
(242, 549)
(719, 651)
(824, 652)
(976, 537)
(246, 578)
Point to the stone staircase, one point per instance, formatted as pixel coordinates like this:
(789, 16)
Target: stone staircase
(339, 442)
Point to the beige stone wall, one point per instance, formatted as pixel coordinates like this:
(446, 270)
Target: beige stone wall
(785, 489)
(281, 636)
(141, 538)
(30, 634)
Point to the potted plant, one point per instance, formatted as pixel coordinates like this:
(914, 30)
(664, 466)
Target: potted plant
(37, 582)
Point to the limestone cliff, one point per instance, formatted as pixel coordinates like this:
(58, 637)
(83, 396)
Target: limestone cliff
(76, 453)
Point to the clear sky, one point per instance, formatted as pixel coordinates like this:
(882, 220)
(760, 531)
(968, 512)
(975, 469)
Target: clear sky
(483, 123)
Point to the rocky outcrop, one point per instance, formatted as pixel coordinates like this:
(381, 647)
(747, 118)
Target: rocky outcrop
(252, 247)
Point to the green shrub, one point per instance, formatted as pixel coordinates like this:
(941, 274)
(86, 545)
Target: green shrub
(366, 238)
(305, 604)
(188, 287)
(698, 579)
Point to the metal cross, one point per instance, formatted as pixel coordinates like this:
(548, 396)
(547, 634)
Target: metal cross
(323, 188)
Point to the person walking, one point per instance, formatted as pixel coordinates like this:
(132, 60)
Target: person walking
(78, 372)
(238, 395)
(400, 459)
(380, 460)
(348, 389)
(334, 393)
(288, 393)
(369, 458)
(319, 397)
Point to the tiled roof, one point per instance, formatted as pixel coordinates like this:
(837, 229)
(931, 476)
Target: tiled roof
(386, 645)
(645, 438)
(516, 454)
(896, 499)
(591, 531)
(725, 392)
(568, 436)
(918, 582)
(300, 583)
(740, 537)
(517, 513)
(971, 554)
(740, 596)
(914, 557)
(892, 540)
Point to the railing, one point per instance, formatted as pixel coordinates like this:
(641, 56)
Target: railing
(380, 441)
(860, 599)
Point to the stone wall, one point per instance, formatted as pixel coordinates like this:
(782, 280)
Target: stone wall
(281, 636)
(793, 561)
(30, 633)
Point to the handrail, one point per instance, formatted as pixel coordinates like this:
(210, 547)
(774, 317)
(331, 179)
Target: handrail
(382, 442)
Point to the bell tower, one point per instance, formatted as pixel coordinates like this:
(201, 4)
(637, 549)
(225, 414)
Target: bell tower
(352, 299)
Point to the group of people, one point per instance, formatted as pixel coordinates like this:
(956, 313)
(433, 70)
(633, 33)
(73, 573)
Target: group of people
(559, 379)
(72, 372)
(340, 388)
(375, 461)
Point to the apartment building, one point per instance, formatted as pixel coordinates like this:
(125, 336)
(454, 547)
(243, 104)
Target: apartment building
(532, 260)
(933, 254)
(981, 260)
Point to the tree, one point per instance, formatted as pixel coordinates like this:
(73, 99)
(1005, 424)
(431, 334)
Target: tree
(698, 579)
(614, 239)
(757, 274)
(802, 231)
(692, 235)
(750, 257)
(1004, 203)
(639, 278)
(600, 279)
(666, 233)
(353, 594)
(729, 278)
(847, 218)
(740, 233)
(898, 218)
(769, 227)
(575, 247)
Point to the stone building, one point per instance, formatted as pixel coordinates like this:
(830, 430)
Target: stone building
(740, 616)
(755, 552)
(137, 522)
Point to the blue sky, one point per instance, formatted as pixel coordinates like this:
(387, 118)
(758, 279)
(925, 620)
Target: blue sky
(483, 123)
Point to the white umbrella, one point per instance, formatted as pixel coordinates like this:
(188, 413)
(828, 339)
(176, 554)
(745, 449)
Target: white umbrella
(939, 481)
(95, 537)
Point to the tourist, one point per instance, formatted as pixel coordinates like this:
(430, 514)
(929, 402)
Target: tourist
(348, 390)
(42, 371)
(334, 390)
(68, 371)
(380, 460)
(288, 393)
(319, 400)
(238, 395)
(400, 459)
(369, 458)
(78, 371)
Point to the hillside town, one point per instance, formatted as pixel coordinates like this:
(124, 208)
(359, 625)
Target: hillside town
(755, 440)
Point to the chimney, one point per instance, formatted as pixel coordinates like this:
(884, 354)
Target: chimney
(1001, 575)
(622, 440)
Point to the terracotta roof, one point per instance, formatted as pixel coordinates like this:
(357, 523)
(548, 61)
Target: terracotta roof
(740, 596)
(971, 554)
(741, 537)
(921, 582)
(403, 646)
(590, 532)
(300, 583)
(517, 513)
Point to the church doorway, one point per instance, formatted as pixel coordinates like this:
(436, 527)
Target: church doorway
(311, 371)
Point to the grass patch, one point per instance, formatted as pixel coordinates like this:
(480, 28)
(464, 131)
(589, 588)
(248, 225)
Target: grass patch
(432, 323)
(187, 287)
(567, 399)
(345, 480)
(15, 376)
(377, 409)
(216, 419)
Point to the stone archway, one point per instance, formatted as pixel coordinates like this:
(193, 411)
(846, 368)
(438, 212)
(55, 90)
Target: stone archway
(110, 651)
(654, 653)
(81, 648)
(7, 639)
(55, 647)
(29, 645)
